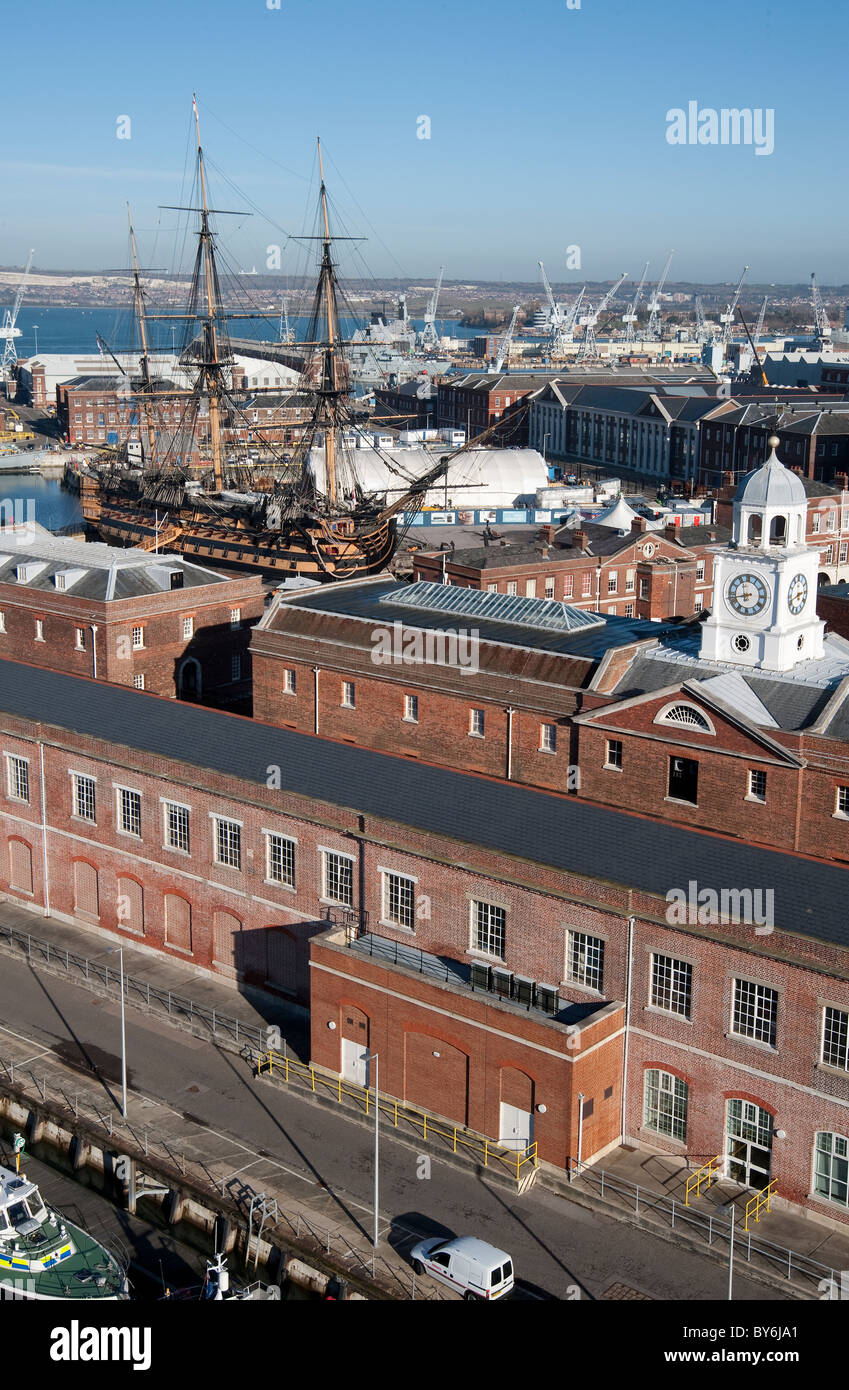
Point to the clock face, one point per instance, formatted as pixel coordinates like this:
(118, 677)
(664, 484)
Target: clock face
(747, 595)
(797, 594)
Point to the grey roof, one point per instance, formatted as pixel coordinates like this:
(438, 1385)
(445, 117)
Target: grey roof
(537, 826)
(450, 600)
(771, 485)
(380, 602)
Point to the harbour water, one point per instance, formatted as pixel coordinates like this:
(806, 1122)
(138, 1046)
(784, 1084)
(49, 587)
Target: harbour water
(76, 330)
(30, 496)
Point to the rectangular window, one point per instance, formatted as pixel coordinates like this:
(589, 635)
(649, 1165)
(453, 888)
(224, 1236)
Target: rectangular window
(17, 775)
(684, 780)
(348, 695)
(568, 585)
(757, 784)
(754, 1011)
(280, 860)
(548, 738)
(236, 666)
(129, 812)
(844, 550)
(177, 826)
(835, 1038)
(411, 709)
(644, 588)
(138, 638)
(84, 803)
(138, 680)
(488, 929)
(584, 959)
(39, 630)
(613, 753)
(700, 570)
(629, 610)
(530, 588)
(2, 622)
(586, 584)
(476, 723)
(815, 523)
(79, 639)
(549, 586)
(338, 878)
(665, 1107)
(290, 682)
(612, 581)
(697, 605)
(492, 588)
(235, 617)
(511, 586)
(188, 628)
(399, 900)
(630, 580)
(671, 985)
(228, 843)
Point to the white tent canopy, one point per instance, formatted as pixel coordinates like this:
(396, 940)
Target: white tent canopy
(476, 478)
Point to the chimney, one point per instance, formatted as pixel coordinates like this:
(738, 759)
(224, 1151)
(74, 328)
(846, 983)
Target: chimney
(546, 535)
(669, 529)
(639, 524)
(579, 539)
(841, 480)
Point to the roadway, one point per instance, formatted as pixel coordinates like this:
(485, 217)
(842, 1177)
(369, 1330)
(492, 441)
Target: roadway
(325, 1159)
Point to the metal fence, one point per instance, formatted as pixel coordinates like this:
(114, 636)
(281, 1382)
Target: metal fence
(711, 1227)
(291, 1224)
(105, 979)
(521, 1164)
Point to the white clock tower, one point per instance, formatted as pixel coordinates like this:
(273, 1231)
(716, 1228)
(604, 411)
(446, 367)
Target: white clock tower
(765, 581)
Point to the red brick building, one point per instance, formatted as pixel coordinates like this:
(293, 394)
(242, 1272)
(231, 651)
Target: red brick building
(156, 622)
(506, 951)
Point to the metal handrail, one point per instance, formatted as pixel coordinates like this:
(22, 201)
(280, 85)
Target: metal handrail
(136, 990)
(707, 1225)
(460, 1138)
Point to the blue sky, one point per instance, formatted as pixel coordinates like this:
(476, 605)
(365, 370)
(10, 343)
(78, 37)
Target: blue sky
(548, 129)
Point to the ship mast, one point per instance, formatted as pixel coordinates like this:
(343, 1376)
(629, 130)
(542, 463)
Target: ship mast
(329, 386)
(211, 362)
(147, 385)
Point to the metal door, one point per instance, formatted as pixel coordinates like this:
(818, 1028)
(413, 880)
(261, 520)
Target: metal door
(354, 1062)
(516, 1127)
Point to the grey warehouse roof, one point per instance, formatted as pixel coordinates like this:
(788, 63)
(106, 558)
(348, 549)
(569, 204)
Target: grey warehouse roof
(537, 826)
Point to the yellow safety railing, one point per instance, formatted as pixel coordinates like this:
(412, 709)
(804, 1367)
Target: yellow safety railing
(461, 1139)
(756, 1204)
(706, 1174)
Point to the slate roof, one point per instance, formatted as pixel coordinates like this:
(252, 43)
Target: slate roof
(533, 825)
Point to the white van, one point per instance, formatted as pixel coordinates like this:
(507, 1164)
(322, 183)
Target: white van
(473, 1268)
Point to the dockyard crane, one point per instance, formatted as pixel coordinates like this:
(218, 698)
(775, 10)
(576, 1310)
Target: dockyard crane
(653, 330)
(822, 327)
(9, 329)
(759, 327)
(284, 332)
(429, 337)
(504, 345)
(588, 351)
(727, 319)
(705, 329)
(630, 318)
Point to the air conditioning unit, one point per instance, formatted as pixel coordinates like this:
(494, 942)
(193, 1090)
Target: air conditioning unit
(502, 982)
(480, 975)
(523, 991)
(548, 999)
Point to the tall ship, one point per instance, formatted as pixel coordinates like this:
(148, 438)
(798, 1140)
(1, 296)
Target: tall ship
(304, 513)
(43, 1255)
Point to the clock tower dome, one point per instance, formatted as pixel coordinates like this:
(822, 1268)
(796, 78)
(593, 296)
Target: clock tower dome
(765, 581)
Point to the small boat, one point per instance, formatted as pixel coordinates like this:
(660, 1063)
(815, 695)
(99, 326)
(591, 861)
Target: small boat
(217, 1288)
(45, 1256)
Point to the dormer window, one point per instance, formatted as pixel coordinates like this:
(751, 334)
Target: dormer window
(22, 573)
(690, 716)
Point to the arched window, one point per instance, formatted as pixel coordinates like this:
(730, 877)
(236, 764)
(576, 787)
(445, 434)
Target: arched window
(688, 715)
(755, 529)
(665, 1104)
(778, 530)
(831, 1167)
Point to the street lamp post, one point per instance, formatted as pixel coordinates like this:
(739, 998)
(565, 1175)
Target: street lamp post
(732, 1210)
(372, 1057)
(111, 951)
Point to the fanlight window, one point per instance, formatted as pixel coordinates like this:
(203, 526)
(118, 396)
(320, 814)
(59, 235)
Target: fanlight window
(687, 715)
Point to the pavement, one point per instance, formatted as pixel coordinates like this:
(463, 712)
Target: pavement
(251, 1134)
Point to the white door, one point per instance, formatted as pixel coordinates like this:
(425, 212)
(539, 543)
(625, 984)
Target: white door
(354, 1062)
(517, 1127)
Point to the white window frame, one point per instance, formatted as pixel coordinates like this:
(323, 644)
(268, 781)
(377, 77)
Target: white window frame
(406, 885)
(590, 950)
(39, 629)
(548, 738)
(843, 1043)
(79, 639)
(290, 681)
(166, 826)
(411, 709)
(760, 995)
(137, 638)
(77, 778)
(288, 855)
(678, 984)
(609, 762)
(669, 1085)
(326, 855)
(477, 717)
(120, 820)
(14, 761)
(188, 628)
(349, 695)
(217, 823)
(487, 931)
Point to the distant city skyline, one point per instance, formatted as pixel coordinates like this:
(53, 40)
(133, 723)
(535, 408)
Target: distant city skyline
(606, 128)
